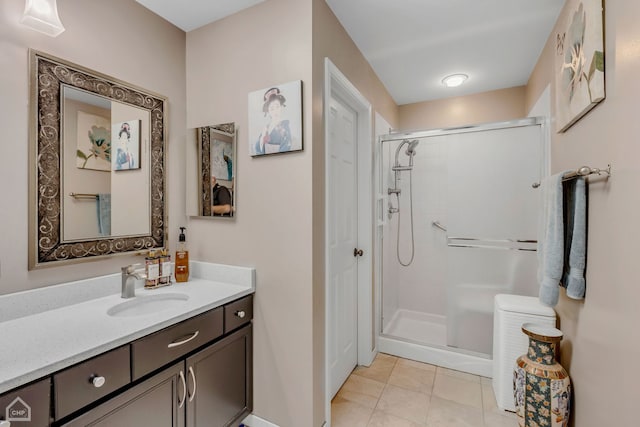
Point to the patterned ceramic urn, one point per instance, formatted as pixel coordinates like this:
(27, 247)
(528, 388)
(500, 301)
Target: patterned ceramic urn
(542, 388)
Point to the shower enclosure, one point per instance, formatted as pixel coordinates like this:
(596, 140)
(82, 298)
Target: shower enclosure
(457, 224)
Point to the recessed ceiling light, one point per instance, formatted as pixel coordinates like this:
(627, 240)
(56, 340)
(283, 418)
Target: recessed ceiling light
(454, 80)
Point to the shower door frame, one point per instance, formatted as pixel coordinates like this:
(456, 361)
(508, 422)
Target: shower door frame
(442, 356)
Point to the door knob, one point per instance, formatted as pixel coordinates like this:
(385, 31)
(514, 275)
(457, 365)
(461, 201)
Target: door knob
(357, 252)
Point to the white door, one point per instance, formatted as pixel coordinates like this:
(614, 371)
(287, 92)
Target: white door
(343, 239)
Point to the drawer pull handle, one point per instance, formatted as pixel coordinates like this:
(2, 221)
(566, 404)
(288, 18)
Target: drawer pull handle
(184, 392)
(183, 340)
(241, 314)
(98, 381)
(193, 378)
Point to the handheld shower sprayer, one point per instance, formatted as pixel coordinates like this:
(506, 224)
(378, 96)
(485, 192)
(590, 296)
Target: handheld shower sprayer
(411, 151)
(411, 148)
(397, 168)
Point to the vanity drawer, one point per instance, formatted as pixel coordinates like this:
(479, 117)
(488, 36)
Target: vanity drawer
(156, 350)
(238, 313)
(28, 406)
(87, 382)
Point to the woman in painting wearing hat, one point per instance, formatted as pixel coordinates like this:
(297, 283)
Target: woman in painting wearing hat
(276, 135)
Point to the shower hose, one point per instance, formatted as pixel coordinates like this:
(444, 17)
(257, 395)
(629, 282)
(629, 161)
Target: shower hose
(399, 222)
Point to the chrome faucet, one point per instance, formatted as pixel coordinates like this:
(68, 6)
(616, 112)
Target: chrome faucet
(129, 273)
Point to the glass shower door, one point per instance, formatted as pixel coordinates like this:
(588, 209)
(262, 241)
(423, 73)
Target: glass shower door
(492, 211)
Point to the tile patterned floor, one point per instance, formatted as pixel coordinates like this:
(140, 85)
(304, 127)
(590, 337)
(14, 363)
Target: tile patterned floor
(396, 392)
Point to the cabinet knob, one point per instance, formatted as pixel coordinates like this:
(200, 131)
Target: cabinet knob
(5, 424)
(97, 382)
(241, 314)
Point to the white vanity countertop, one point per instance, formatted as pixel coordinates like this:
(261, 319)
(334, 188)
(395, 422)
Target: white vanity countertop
(50, 338)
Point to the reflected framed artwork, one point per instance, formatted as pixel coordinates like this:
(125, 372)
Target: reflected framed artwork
(94, 142)
(579, 61)
(275, 119)
(125, 145)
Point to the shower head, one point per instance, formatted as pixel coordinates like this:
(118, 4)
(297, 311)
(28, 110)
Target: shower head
(411, 151)
(411, 148)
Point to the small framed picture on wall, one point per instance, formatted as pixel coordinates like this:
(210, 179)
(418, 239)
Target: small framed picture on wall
(275, 119)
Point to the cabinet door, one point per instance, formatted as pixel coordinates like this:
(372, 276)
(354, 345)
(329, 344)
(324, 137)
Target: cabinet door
(219, 381)
(159, 402)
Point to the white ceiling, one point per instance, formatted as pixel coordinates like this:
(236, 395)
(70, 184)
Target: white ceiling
(191, 14)
(413, 44)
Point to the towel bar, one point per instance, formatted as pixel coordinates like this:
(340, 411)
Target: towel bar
(581, 171)
(83, 196)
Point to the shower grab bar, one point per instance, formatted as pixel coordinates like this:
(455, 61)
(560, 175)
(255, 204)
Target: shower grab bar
(506, 244)
(437, 224)
(582, 171)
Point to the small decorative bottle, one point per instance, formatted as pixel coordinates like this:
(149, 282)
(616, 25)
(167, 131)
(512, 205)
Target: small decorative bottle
(165, 268)
(152, 270)
(542, 388)
(182, 258)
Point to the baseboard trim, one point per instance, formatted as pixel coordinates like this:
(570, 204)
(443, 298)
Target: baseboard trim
(254, 421)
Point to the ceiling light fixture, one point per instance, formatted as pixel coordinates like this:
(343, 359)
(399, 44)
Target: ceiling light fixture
(454, 80)
(42, 16)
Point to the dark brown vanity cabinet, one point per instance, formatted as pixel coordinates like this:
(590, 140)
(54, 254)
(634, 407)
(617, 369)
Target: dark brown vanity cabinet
(208, 383)
(211, 388)
(197, 373)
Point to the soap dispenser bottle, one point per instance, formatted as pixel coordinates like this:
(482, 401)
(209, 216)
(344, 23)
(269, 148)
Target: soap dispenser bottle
(182, 258)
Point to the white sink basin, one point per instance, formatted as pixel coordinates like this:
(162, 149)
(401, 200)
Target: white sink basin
(149, 304)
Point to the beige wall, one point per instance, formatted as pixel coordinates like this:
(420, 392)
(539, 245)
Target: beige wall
(600, 333)
(272, 231)
(119, 38)
(279, 227)
(494, 106)
(130, 189)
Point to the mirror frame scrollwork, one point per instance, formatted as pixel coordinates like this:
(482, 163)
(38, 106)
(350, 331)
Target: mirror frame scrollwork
(48, 76)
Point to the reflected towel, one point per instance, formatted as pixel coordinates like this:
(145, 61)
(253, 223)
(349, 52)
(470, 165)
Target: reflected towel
(576, 238)
(551, 240)
(104, 214)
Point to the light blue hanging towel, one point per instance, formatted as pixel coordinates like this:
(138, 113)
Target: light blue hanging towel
(104, 214)
(551, 240)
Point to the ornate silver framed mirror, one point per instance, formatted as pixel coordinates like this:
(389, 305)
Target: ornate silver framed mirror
(97, 156)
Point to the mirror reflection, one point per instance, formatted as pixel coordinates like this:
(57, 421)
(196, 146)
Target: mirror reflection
(214, 160)
(97, 183)
(106, 158)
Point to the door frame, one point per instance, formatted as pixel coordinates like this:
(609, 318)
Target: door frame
(336, 84)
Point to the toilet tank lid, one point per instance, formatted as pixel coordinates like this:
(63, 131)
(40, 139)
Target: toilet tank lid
(523, 304)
